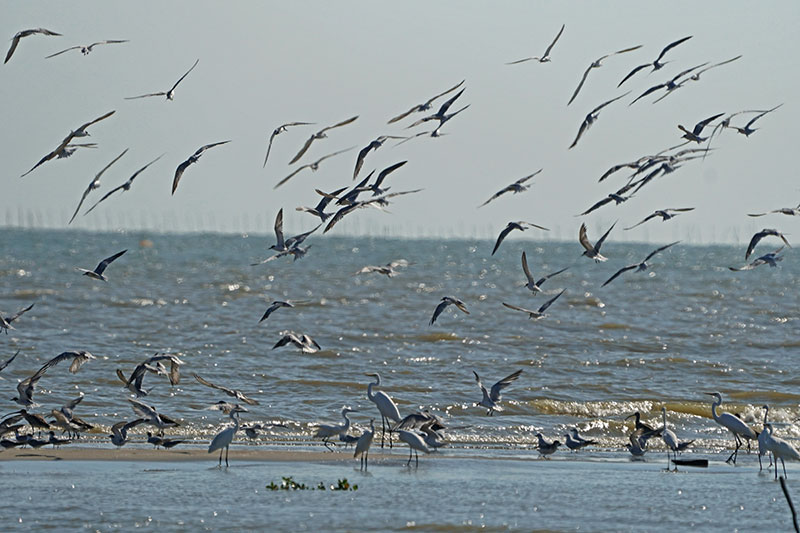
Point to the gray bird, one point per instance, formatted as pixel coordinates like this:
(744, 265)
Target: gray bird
(170, 94)
(84, 48)
(597, 63)
(492, 396)
(639, 267)
(321, 134)
(657, 64)
(373, 145)
(192, 160)
(124, 187)
(747, 130)
(520, 225)
(304, 342)
(540, 313)
(694, 135)
(532, 283)
(591, 117)
(94, 184)
(277, 304)
(790, 211)
(516, 187)
(5, 324)
(770, 259)
(760, 235)
(545, 58)
(447, 300)
(545, 447)
(313, 166)
(319, 209)
(26, 33)
(593, 251)
(425, 105)
(665, 215)
(97, 273)
(277, 131)
(233, 393)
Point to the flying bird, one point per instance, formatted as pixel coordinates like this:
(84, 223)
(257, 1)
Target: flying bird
(593, 252)
(233, 393)
(170, 94)
(319, 210)
(425, 105)
(387, 270)
(441, 114)
(539, 313)
(313, 166)
(376, 187)
(321, 134)
(696, 76)
(305, 343)
(760, 235)
(516, 187)
(494, 395)
(26, 33)
(747, 130)
(9, 361)
(281, 129)
(447, 300)
(665, 215)
(591, 117)
(63, 149)
(78, 359)
(657, 64)
(95, 184)
(192, 159)
(151, 415)
(125, 186)
(694, 135)
(532, 283)
(639, 267)
(546, 56)
(790, 211)
(85, 49)
(520, 225)
(5, 322)
(285, 245)
(373, 145)
(277, 304)
(97, 273)
(616, 197)
(770, 259)
(597, 63)
(119, 431)
(669, 85)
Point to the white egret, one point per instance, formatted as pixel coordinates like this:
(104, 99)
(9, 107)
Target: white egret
(386, 406)
(224, 438)
(414, 442)
(326, 431)
(733, 424)
(780, 449)
(669, 437)
(762, 440)
(364, 442)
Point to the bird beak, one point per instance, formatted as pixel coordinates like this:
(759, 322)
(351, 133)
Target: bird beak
(629, 417)
(710, 393)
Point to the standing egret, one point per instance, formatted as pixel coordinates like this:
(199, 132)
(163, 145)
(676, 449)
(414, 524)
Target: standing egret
(762, 440)
(326, 431)
(669, 437)
(780, 449)
(386, 406)
(364, 442)
(224, 438)
(414, 442)
(733, 424)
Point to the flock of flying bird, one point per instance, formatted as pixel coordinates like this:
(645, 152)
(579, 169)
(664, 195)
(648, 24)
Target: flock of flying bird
(422, 431)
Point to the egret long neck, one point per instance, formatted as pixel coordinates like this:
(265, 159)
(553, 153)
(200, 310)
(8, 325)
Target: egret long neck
(717, 403)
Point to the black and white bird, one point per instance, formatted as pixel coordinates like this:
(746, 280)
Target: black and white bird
(170, 94)
(770, 259)
(97, 273)
(593, 251)
(539, 313)
(321, 134)
(5, 324)
(26, 33)
(373, 145)
(319, 210)
(657, 64)
(387, 270)
(425, 105)
(520, 225)
(516, 187)
(447, 300)
(748, 130)
(641, 266)
(545, 58)
(277, 131)
(665, 215)
(94, 184)
(304, 342)
(376, 187)
(789, 211)
(762, 234)
(277, 304)
(492, 396)
(233, 393)
(591, 117)
(694, 135)
(532, 283)
(440, 115)
(313, 166)
(124, 187)
(597, 63)
(192, 159)
(85, 48)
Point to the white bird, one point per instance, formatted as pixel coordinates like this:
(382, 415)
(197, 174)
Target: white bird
(170, 94)
(385, 405)
(415, 442)
(780, 449)
(593, 251)
(492, 397)
(363, 444)
(95, 184)
(84, 48)
(224, 438)
(97, 273)
(735, 425)
(546, 56)
(762, 440)
(670, 439)
(532, 283)
(326, 431)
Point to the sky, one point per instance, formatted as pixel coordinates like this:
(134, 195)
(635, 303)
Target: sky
(265, 63)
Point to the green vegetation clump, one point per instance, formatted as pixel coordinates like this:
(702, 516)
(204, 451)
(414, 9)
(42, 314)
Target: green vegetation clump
(288, 483)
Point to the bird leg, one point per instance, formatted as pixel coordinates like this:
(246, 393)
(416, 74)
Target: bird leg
(416, 458)
(227, 451)
(327, 443)
(410, 451)
(220, 458)
(383, 428)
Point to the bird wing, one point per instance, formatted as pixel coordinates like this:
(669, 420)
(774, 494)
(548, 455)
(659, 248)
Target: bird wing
(340, 214)
(279, 229)
(599, 243)
(580, 85)
(438, 311)
(648, 217)
(106, 42)
(339, 124)
(527, 270)
(62, 51)
(4, 365)
(632, 72)
(386, 171)
(651, 90)
(548, 276)
(403, 115)
(17, 315)
(619, 273)
(502, 236)
(303, 150)
(670, 46)
(583, 128)
(521, 60)
(143, 410)
(145, 95)
(269, 311)
(753, 242)
(107, 261)
(14, 43)
(207, 146)
(496, 195)
(458, 303)
(91, 187)
(181, 79)
(698, 128)
(361, 156)
(47, 158)
(95, 121)
(532, 225)
(290, 176)
(109, 193)
(547, 51)
(601, 106)
(203, 381)
(445, 106)
(269, 147)
(497, 388)
(657, 250)
(517, 308)
(584, 240)
(547, 304)
(597, 205)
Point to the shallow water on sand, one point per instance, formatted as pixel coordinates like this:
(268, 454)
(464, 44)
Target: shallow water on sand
(444, 494)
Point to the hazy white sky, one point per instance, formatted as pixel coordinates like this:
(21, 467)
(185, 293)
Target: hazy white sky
(265, 63)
